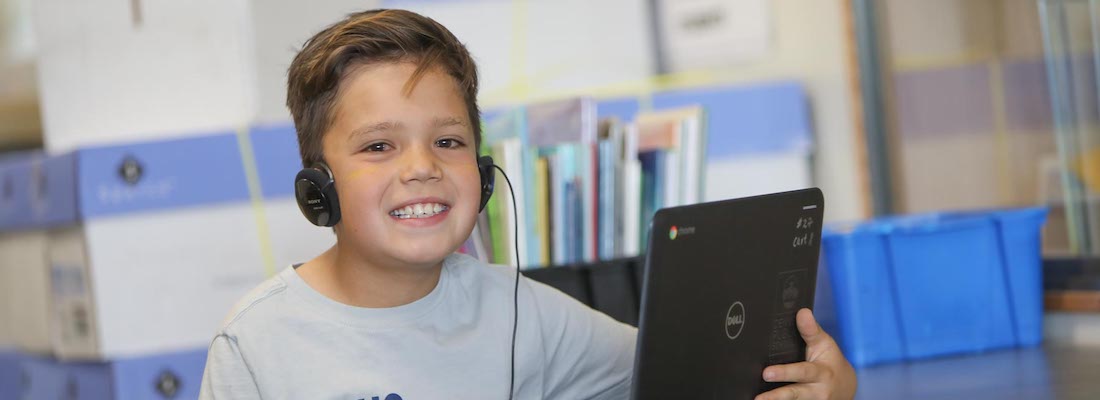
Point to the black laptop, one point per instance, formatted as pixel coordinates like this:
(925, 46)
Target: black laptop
(723, 282)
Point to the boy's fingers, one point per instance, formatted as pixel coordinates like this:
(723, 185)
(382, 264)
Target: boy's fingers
(797, 372)
(789, 392)
(809, 329)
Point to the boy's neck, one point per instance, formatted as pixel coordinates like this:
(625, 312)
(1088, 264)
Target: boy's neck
(355, 280)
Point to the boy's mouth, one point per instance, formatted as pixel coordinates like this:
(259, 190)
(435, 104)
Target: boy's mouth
(419, 210)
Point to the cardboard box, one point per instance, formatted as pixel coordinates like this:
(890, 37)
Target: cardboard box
(8, 199)
(149, 70)
(27, 288)
(166, 242)
(34, 201)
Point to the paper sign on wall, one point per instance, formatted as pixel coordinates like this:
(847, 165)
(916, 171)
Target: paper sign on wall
(702, 34)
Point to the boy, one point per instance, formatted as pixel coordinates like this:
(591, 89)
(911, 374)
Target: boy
(384, 102)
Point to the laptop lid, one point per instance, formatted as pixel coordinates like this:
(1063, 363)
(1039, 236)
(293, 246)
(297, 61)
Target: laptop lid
(723, 282)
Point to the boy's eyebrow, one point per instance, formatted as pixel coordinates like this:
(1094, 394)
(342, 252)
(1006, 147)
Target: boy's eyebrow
(373, 128)
(443, 122)
(377, 127)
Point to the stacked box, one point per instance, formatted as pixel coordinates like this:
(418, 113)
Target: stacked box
(167, 240)
(31, 206)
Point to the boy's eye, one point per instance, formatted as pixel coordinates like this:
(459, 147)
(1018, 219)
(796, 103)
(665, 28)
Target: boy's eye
(376, 147)
(449, 143)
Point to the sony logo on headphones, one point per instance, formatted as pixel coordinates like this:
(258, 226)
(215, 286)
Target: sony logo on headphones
(313, 201)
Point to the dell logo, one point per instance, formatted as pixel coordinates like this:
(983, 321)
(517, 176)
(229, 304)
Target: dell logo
(735, 320)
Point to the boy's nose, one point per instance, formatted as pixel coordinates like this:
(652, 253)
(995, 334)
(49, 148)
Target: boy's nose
(420, 164)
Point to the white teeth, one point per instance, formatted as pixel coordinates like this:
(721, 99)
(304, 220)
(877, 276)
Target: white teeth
(422, 210)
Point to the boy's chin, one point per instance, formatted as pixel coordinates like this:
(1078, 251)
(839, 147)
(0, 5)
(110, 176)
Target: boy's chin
(422, 255)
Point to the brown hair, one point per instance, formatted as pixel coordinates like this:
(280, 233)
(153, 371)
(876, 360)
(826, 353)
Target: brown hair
(373, 36)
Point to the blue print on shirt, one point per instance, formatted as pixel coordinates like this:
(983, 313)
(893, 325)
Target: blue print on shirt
(391, 396)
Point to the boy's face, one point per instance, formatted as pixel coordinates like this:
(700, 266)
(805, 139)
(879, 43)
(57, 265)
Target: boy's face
(404, 164)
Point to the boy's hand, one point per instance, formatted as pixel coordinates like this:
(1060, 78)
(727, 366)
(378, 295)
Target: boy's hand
(825, 375)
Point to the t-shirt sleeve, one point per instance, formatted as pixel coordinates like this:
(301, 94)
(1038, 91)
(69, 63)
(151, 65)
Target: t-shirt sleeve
(226, 375)
(589, 355)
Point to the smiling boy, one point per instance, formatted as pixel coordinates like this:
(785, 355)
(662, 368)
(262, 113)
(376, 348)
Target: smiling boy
(384, 103)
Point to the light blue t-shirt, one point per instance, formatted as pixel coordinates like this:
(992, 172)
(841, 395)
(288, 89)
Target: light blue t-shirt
(285, 340)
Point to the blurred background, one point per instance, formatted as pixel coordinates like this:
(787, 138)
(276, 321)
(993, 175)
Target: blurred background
(146, 159)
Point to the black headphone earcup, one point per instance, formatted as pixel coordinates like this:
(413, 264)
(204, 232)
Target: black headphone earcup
(488, 179)
(315, 193)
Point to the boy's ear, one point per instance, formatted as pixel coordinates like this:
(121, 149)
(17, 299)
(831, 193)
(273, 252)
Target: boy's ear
(488, 178)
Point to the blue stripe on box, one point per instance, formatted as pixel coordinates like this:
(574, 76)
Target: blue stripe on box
(176, 375)
(91, 381)
(163, 376)
(765, 118)
(41, 378)
(277, 159)
(160, 175)
(625, 109)
(53, 191)
(36, 191)
(14, 185)
(11, 382)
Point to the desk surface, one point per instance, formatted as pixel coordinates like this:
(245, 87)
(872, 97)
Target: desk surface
(1049, 372)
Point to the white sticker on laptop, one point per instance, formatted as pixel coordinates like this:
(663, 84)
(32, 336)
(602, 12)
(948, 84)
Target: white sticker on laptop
(785, 343)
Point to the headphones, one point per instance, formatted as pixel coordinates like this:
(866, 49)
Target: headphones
(315, 191)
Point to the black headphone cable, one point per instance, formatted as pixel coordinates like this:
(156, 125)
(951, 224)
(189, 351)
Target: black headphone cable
(515, 288)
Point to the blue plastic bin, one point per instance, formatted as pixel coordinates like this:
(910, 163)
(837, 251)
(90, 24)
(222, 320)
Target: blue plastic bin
(912, 287)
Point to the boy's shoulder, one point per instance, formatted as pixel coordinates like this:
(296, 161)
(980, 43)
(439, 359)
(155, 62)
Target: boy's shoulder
(499, 279)
(282, 300)
(259, 297)
(465, 264)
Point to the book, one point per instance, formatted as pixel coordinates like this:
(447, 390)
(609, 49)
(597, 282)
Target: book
(586, 190)
(610, 217)
(542, 211)
(680, 133)
(508, 156)
(631, 199)
(566, 132)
